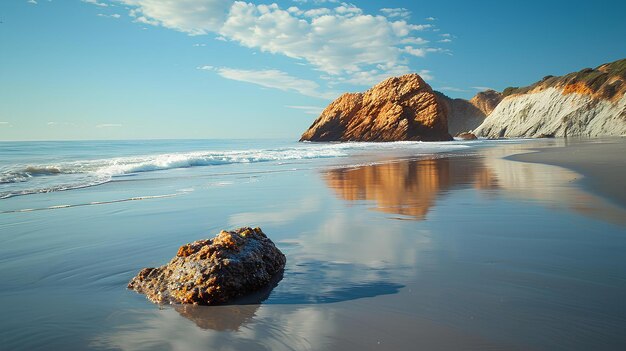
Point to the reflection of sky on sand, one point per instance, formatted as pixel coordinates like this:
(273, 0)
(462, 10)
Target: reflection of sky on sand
(344, 255)
(267, 328)
(348, 257)
(279, 216)
(288, 327)
(344, 258)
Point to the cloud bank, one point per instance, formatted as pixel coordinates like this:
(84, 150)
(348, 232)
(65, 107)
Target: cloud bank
(337, 39)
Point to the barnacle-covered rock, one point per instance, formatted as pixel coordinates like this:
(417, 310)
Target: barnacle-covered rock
(213, 271)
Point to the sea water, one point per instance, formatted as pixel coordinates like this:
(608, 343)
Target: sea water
(39, 167)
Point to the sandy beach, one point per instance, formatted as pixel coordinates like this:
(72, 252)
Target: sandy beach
(602, 162)
(466, 248)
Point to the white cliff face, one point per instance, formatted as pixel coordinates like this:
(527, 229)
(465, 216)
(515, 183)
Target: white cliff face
(549, 111)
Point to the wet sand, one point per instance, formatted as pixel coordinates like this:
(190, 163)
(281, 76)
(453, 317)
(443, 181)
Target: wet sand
(602, 162)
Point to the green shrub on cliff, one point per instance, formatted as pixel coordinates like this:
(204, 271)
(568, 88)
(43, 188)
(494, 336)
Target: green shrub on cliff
(509, 91)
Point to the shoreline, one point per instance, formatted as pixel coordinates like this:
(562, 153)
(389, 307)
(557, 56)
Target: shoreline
(601, 163)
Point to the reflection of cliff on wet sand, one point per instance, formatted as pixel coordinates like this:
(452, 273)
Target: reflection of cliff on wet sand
(408, 187)
(411, 187)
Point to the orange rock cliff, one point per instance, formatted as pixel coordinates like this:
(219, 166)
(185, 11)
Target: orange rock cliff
(399, 108)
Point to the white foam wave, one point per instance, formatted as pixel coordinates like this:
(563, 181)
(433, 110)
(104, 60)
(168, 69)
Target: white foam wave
(77, 174)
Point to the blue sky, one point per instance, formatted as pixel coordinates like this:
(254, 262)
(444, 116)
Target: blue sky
(137, 69)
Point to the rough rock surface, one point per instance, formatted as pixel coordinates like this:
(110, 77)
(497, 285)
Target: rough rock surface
(464, 115)
(486, 101)
(399, 108)
(466, 136)
(213, 271)
(591, 102)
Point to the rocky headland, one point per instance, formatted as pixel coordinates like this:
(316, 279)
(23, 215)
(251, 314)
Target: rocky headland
(591, 102)
(214, 271)
(399, 108)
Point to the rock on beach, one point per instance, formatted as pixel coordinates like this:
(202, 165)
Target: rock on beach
(213, 271)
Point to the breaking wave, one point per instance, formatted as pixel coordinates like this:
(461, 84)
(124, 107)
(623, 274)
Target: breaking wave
(78, 174)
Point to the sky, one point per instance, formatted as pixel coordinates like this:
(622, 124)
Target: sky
(168, 69)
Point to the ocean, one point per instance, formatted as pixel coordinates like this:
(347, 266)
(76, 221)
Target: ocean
(40, 167)
(445, 245)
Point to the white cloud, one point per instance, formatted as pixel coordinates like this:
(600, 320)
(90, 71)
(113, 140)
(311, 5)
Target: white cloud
(348, 9)
(431, 19)
(317, 2)
(95, 2)
(421, 26)
(421, 52)
(144, 20)
(458, 90)
(310, 110)
(115, 15)
(108, 125)
(274, 79)
(194, 17)
(317, 12)
(447, 37)
(342, 41)
(4, 123)
(199, 45)
(34, 2)
(376, 75)
(52, 123)
(295, 9)
(414, 41)
(482, 88)
(396, 12)
(381, 73)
